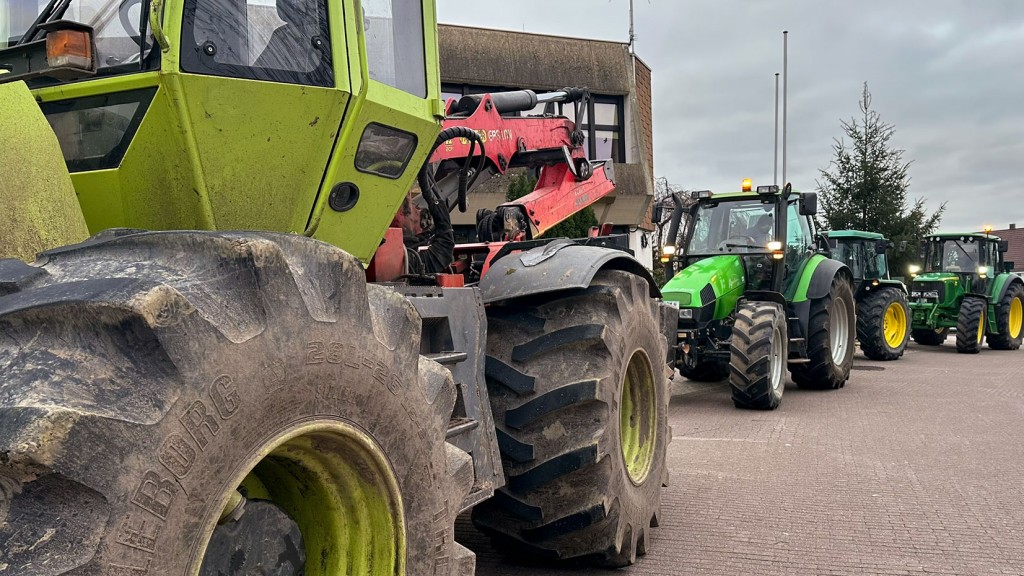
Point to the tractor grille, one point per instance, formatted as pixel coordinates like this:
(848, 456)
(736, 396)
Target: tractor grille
(707, 295)
(928, 292)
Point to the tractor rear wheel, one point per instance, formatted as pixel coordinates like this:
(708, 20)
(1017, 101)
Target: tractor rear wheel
(970, 325)
(173, 403)
(882, 324)
(930, 336)
(578, 387)
(708, 371)
(1009, 320)
(757, 368)
(830, 333)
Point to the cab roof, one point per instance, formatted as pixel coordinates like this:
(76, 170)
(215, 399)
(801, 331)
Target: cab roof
(855, 234)
(958, 235)
(742, 195)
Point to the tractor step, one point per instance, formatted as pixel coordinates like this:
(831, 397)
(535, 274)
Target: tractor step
(448, 358)
(799, 360)
(796, 341)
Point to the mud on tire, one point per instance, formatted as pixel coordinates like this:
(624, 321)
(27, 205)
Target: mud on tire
(143, 376)
(825, 372)
(872, 312)
(555, 372)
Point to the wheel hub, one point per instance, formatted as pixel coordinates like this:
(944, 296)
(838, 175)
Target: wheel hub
(326, 492)
(839, 333)
(894, 326)
(638, 413)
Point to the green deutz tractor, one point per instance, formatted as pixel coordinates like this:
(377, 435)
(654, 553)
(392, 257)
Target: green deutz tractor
(966, 284)
(236, 334)
(756, 295)
(883, 318)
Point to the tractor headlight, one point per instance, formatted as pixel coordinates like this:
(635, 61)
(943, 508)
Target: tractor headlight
(775, 246)
(668, 250)
(686, 313)
(914, 269)
(982, 270)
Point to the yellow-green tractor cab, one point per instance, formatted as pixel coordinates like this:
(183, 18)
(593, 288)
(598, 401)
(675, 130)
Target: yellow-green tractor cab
(966, 284)
(756, 294)
(303, 116)
(883, 317)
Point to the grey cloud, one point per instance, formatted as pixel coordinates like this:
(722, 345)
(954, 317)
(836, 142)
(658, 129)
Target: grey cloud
(947, 73)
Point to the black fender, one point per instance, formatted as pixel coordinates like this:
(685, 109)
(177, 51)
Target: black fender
(867, 287)
(558, 265)
(821, 278)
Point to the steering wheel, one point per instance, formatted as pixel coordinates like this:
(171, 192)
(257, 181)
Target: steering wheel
(123, 13)
(732, 241)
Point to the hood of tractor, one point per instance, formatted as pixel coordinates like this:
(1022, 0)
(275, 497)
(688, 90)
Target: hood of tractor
(933, 288)
(712, 285)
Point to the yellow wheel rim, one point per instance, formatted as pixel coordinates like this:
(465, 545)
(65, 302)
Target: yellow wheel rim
(638, 417)
(1016, 317)
(894, 325)
(336, 483)
(981, 326)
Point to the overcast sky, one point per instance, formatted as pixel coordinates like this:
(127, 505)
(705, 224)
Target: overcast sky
(948, 74)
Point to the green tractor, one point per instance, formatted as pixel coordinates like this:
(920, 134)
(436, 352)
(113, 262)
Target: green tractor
(756, 295)
(967, 285)
(882, 313)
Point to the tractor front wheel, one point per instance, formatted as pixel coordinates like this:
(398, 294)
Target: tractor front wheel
(830, 333)
(578, 385)
(759, 350)
(970, 325)
(205, 403)
(882, 322)
(1009, 320)
(930, 336)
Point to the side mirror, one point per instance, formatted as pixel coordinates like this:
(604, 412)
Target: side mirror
(808, 203)
(1004, 246)
(881, 246)
(922, 250)
(657, 213)
(1007, 266)
(903, 245)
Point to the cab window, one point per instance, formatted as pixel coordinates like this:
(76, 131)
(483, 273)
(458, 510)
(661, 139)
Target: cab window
(277, 40)
(395, 44)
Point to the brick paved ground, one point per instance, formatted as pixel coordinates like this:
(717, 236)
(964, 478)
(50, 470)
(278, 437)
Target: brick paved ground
(916, 467)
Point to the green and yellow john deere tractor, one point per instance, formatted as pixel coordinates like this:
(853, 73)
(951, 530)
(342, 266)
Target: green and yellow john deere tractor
(226, 392)
(883, 318)
(966, 284)
(756, 295)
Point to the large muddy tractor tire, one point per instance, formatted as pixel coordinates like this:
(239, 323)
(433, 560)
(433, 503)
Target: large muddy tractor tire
(706, 371)
(883, 327)
(1009, 320)
(757, 368)
(929, 336)
(202, 403)
(830, 334)
(578, 385)
(970, 325)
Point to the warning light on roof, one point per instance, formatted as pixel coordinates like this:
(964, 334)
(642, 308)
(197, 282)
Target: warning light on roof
(747, 184)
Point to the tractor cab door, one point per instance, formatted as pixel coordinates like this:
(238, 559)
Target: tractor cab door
(799, 245)
(267, 85)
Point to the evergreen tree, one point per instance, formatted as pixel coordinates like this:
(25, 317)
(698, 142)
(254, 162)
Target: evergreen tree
(575, 226)
(865, 187)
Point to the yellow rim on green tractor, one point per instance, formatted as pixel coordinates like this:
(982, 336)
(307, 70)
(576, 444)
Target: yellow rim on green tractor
(638, 414)
(981, 326)
(336, 484)
(1016, 317)
(894, 325)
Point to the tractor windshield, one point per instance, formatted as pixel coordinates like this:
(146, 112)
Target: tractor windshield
(953, 255)
(116, 25)
(737, 226)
